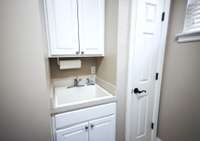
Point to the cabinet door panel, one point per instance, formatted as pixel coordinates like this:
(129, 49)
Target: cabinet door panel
(63, 26)
(91, 26)
(102, 129)
(74, 133)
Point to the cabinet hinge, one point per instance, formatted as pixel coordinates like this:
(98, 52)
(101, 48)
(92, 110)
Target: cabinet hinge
(163, 16)
(157, 76)
(152, 125)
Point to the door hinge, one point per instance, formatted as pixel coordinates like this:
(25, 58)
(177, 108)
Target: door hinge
(163, 16)
(157, 76)
(152, 125)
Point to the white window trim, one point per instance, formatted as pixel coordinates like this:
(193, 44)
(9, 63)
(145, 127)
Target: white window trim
(188, 36)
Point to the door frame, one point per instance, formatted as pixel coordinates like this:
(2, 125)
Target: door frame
(133, 12)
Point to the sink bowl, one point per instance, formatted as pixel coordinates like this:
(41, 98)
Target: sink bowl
(79, 95)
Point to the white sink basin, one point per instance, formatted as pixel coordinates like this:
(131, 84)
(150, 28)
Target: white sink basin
(79, 95)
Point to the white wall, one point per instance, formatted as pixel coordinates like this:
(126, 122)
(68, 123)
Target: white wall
(180, 96)
(106, 66)
(24, 98)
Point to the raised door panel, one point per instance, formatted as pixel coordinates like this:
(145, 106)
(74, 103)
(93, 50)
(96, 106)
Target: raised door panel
(91, 26)
(102, 129)
(75, 133)
(62, 26)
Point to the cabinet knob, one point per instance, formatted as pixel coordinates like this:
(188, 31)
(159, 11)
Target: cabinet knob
(77, 52)
(82, 52)
(86, 128)
(92, 126)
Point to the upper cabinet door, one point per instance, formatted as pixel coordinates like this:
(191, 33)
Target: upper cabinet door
(102, 129)
(75, 133)
(91, 26)
(62, 23)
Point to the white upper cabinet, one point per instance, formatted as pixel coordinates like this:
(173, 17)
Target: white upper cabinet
(91, 26)
(75, 27)
(62, 22)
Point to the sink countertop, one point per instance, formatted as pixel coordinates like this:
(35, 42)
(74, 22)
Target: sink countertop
(69, 99)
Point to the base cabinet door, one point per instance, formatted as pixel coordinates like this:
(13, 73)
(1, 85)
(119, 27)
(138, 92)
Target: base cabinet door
(102, 129)
(77, 132)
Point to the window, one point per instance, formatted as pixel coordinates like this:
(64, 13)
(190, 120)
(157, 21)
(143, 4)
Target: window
(191, 30)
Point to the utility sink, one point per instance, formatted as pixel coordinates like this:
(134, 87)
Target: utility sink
(85, 96)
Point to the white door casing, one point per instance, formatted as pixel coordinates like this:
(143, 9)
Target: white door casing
(102, 129)
(91, 26)
(145, 37)
(77, 132)
(62, 24)
(166, 9)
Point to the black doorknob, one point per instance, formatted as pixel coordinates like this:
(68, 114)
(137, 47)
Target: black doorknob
(137, 91)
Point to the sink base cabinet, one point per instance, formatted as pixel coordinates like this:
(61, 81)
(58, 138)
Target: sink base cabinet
(99, 125)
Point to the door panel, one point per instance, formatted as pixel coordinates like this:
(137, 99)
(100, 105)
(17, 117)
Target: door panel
(63, 26)
(91, 26)
(74, 133)
(141, 127)
(102, 129)
(146, 47)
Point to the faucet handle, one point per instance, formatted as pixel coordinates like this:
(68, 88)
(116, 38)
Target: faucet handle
(90, 82)
(77, 79)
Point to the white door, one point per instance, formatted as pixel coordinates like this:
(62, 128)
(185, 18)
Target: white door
(102, 129)
(62, 22)
(143, 62)
(75, 133)
(91, 26)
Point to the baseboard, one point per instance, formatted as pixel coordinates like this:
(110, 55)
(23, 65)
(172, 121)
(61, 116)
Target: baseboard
(158, 139)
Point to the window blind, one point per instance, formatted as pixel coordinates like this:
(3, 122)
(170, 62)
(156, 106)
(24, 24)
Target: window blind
(192, 17)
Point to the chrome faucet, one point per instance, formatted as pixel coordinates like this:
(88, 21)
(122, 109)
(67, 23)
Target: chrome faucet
(76, 83)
